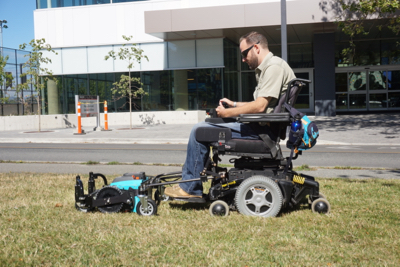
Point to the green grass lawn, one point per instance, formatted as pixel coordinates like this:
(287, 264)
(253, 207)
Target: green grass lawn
(39, 226)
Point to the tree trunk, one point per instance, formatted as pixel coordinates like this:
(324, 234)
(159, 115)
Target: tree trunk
(130, 101)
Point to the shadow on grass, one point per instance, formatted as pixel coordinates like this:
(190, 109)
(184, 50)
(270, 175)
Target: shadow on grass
(189, 206)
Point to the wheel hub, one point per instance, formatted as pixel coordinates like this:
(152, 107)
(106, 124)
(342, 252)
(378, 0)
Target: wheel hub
(321, 207)
(219, 210)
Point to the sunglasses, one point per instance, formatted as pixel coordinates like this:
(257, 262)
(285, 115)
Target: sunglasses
(246, 51)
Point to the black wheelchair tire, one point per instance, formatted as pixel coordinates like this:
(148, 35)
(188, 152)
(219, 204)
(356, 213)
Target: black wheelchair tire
(269, 198)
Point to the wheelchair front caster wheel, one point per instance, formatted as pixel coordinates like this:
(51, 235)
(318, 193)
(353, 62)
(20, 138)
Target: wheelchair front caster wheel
(321, 205)
(151, 208)
(219, 208)
(310, 199)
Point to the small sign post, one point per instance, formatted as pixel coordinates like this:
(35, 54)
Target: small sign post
(89, 108)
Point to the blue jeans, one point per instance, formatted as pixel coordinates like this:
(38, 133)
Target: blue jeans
(197, 153)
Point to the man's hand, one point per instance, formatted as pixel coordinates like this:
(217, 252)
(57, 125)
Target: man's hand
(221, 111)
(230, 103)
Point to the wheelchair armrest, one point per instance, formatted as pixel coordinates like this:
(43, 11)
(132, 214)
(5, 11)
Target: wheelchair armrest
(221, 120)
(265, 117)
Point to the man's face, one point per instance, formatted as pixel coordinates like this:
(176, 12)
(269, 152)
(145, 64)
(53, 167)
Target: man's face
(248, 54)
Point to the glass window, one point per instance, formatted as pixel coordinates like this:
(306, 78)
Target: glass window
(357, 81)
(367, 53)
(11, 55)
(301, 56)
(393, 80)
(377, 80)
(41, 4)
(357, 101)
(209, 53)
(394, 100)
(158, 86)
(249, 84)
(209, 87)
(377, 101)
(341, 82)
(22, 56)
(181, 54)
(96, 61)
(341, 101)
(231, 52)
(231, 90)
(74, 60)
(390, 52)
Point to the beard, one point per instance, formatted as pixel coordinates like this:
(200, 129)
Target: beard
(253, 63)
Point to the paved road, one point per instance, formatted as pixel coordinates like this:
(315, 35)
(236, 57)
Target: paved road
(366, 140)
(321, 155)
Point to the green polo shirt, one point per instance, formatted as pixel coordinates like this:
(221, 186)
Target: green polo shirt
(273, 76)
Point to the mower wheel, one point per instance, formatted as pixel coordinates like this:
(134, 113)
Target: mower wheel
(151, 208)
(108, 192)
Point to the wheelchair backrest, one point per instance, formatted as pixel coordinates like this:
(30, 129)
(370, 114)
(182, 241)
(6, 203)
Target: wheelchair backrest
(294, 89)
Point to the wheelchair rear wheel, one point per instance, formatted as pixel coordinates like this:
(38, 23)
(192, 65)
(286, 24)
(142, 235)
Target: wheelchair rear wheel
(259, 196)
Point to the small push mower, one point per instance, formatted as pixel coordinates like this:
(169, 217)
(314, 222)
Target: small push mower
(261, 183)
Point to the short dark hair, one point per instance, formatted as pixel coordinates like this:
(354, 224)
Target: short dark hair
(254, 38)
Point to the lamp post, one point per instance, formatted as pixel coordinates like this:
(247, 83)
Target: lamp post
(284, 31)
(3, 24)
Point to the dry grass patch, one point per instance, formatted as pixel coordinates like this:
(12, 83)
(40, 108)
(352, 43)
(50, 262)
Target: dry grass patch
(40, 227)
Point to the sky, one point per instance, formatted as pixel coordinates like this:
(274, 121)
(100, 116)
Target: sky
(19, 16)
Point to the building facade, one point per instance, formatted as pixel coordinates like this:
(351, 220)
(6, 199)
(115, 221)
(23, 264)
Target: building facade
(194, 59)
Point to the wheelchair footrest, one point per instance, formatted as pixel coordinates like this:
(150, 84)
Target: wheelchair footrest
(192, 199)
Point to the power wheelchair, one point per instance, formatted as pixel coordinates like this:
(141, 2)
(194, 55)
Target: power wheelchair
(261, 183)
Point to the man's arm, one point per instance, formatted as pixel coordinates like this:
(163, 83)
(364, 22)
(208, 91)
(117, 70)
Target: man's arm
(257, 106)
(231, 103)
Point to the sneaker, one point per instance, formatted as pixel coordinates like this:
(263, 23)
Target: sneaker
(177, 192)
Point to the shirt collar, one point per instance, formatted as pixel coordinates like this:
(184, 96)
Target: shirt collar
(265, 61)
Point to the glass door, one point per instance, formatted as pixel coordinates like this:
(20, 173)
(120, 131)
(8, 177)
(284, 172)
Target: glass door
(305, 100)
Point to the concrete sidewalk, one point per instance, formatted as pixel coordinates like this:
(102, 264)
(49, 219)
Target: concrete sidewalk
(368, 129)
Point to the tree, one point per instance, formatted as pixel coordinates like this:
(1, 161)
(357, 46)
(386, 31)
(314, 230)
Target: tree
(128, 85)
(4, 76)
(36, 73)
(358, 17)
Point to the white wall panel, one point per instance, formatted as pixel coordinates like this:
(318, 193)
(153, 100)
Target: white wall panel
(101, 25)
(157, 54)
(59, 22)
(120, 21)
(209, 52)
(96, 61)
(74, 60)
(129, 22)
(51, 28)
(68, 18)
(40, 21)
(181, 54)
(81, 21)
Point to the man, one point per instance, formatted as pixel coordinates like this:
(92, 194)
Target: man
(273, 76)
